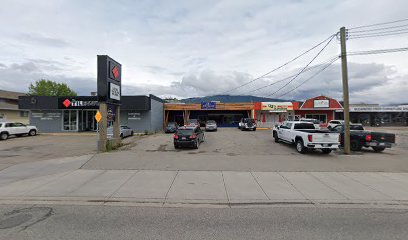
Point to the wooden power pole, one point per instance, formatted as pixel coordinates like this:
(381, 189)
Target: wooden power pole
(346, 111)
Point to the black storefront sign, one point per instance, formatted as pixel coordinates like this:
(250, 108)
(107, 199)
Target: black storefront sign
(78, 103)
(109, 80)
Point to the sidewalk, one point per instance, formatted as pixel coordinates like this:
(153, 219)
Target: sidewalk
(223, 188)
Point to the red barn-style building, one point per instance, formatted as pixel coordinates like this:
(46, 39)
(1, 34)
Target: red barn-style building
(321, 107)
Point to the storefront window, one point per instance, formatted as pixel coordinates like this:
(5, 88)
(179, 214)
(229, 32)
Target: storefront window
(321, 117)
(70, 120)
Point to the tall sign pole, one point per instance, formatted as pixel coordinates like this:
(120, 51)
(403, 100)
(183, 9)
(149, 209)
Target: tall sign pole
(346, 105)
(109, 97)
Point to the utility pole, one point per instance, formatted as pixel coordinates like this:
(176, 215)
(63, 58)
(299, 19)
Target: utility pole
(346, 111)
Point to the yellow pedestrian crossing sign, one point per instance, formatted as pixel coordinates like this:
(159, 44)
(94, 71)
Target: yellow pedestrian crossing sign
(98, 116)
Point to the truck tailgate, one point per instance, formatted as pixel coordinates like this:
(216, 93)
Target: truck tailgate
(325, 137)
(383, 137)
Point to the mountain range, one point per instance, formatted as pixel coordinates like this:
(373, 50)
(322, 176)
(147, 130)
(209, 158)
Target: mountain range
(231, 99)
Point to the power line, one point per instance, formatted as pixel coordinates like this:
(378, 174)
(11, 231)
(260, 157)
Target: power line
(379, 24)
(321, 50)
(378, 29)
(376, 35)
(308, 79)
(380, 32)
(286, 78)
(377, 51)
(275, 69)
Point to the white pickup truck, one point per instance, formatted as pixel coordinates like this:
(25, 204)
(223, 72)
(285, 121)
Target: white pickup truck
(305, 136)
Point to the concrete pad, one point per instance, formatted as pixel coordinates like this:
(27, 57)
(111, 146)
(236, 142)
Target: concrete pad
(276, 187)
(21, 187)
(242, 186)
(311, 187)
(147, 185)
(385, 185)
(349, 187)
(104, 185)
(399, 177)
(66, 184)
(198, 185)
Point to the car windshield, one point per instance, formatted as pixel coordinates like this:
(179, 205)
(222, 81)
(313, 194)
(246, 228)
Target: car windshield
(356, 127)
(248, 120)
(185, 132)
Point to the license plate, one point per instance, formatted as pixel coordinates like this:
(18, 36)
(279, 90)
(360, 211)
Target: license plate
(382, 144)
(183, 138)
(325, 145)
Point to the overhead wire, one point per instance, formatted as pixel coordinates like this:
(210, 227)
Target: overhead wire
(303, 69)
(379, 24)
(310, 78)
(286, 78)
(377, 51)
(281, 66)
(378, 29)
(375, 35)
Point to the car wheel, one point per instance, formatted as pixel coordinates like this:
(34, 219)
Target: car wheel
(32, 132)
(276, 137)
(121, 135)
(254, 129)
(326, 150)
(132, 133)
(3, 136)
(175, 146)
(300, 147)
(378, 149)
(355, 146)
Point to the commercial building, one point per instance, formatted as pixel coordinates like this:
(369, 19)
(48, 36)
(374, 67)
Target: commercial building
(321, 108)
(377, 115)
(76, 114)
(9, 110)
(268, 114)
(225, 114)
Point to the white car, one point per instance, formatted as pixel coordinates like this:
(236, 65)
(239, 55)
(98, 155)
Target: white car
(17, 129)
(334, 123)
(125, 131)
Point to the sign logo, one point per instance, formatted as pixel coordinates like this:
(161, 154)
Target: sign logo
(66, 103)
(114, 91)
(208, 105)
(115, 72)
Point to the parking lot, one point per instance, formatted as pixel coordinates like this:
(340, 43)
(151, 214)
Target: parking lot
(235, 150)
(226, 149)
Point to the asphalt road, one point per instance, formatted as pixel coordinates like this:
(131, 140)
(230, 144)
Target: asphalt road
(96, 222)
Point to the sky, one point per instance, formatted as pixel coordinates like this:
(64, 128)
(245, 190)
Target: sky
(185, 48)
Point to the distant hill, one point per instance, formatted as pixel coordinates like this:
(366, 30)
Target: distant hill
(231, 99)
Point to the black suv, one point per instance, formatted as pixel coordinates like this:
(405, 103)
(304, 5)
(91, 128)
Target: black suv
(188, 136)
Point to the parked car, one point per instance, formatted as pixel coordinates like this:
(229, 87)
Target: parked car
(334, 123)
(360, 138)
(247, 124)
(171, 127)
(306, 137)
(188, 136)
(194, 122)
(210, 125)
(8, 129)
(125, 131)
(312, 120)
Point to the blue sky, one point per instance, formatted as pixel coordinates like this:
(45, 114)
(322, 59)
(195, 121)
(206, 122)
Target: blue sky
(198, 48)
